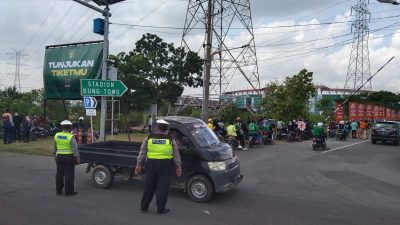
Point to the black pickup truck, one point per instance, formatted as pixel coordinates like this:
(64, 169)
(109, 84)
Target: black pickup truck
(208, 165)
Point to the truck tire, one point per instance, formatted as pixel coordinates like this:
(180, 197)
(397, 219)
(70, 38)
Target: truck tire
(373, 141)
(102, 176)
(200, 188)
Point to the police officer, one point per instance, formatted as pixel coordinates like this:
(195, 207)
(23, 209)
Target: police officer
(160, 152)
(67, 155)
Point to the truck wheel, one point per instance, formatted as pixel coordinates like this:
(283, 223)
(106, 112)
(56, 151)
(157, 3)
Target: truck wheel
(200, 188)
(102, 176)
(373, 141)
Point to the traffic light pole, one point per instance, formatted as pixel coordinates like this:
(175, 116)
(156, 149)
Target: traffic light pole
(103, 112)
(106, 14)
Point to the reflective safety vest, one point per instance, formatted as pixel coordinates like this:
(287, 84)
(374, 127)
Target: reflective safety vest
(159, 146)
(63, 143)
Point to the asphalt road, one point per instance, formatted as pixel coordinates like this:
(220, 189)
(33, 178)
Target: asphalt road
(284, 184)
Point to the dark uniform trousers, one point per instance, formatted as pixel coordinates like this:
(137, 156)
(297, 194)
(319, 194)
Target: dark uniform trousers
(158, 177)
(65, 169)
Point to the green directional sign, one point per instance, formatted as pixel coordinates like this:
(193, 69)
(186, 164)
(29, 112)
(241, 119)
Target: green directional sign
(90, 87)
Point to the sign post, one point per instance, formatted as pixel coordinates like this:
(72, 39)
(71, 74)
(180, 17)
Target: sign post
(90, 104)
(108, 88)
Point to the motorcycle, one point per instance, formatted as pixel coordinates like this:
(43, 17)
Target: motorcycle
(266, 139)
(332, 132)
(341, 135)
(232, 142)
(282, 134)
(319, 143)
(254, 141)
(293, 136)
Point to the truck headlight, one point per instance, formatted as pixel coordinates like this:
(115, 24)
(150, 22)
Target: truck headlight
(216, 166)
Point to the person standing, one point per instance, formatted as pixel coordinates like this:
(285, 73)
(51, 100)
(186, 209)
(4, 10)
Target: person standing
(8, 125)
(150, 124)
(17, 119)
(160, 152)
(67, 156)
(354, 126)
(26, 128)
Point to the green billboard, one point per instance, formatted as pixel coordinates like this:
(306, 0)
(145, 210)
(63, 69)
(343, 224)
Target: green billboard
(65, 65)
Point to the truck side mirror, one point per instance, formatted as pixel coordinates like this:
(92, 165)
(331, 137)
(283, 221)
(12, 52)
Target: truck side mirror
(185, 141)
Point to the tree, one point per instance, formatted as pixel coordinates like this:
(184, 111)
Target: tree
(326, 105)
(289, 100)
(156, 71)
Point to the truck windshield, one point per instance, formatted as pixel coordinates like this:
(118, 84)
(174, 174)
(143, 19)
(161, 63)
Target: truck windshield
(203, 135)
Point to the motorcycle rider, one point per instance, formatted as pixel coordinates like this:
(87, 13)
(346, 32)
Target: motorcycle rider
(240, 132)
(254, 130)
(318, 132)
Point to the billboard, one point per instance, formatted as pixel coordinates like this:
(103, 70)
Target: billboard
(65, 65)
(353, 111)
(339, 113)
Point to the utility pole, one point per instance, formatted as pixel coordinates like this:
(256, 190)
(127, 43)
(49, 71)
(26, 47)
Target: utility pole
(207, 61)
(106, 13)
(359, 66)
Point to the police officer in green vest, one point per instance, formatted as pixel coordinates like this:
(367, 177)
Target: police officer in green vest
(161, 153)
(67, 156)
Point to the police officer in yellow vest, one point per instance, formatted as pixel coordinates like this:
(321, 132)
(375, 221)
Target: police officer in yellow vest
(67, 156)
(160, 151)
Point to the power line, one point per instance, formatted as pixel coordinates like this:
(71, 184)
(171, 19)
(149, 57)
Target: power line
(260, 27)
(41, 24)
(342, 43)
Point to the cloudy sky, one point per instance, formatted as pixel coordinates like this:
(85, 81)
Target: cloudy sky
(321, 45)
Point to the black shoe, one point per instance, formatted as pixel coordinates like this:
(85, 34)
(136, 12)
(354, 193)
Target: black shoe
(163, 211)
(59, 192)
(143, 210)
(70, 194)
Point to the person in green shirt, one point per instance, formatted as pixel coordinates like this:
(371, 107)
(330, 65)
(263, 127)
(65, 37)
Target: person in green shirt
(318, 131)
(253, 130)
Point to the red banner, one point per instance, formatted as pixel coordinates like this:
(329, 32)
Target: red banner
(388, 114)
(368, 112)
(382, 115)
(360, 111)
(375, 112)
(352, 111)
(394, 115)
(339, 114)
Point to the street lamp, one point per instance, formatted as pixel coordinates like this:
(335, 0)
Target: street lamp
(106, 13)
(394, 2)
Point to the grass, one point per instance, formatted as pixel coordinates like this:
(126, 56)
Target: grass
(44, 146)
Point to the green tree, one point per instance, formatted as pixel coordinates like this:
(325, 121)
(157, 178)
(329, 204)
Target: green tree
(155, 72)
(326, 105)
(289, 100)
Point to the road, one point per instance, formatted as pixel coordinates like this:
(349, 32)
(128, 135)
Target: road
(285, 184)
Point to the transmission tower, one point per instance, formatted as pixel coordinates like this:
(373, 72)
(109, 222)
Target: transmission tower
(220, 19)
(359, 67)
(17, 75)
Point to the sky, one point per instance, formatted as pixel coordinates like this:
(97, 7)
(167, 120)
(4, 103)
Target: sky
(321, 44)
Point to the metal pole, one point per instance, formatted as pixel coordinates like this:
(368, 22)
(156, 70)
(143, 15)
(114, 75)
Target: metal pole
(91, 126)
(207, 62)
(103, 113)
(112, 118)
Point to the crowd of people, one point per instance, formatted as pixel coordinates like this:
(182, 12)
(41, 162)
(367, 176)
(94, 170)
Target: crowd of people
(24, 128)
(255, 131)
(357, 128)
(16, 127)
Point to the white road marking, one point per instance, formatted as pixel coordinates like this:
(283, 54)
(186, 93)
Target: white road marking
(345, 146)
